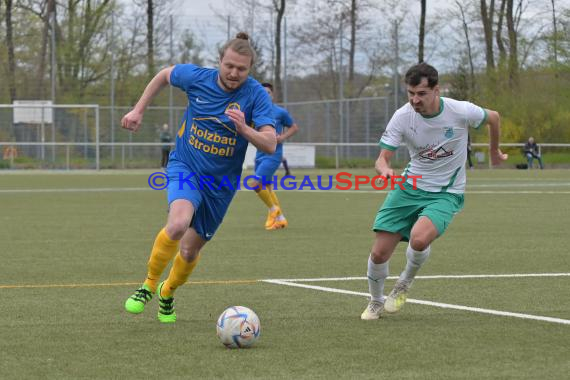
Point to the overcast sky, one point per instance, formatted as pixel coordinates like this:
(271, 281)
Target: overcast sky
(211, 28)
(199, 8)
(204, 7)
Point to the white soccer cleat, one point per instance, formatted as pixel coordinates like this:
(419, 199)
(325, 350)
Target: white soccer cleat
(397, 297)
(373, 310)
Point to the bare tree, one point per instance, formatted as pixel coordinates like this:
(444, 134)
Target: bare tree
(324, 31)
(469, 52)
(251, 16)
(357, 23)
(190, 48)
(42, 9)
(150, 38)
(259, 69)
(10, 48)
(422, 33)
(555, 34)
(526, 46)
(129, 57)
(512, 32)
(81, 52)
(352, 49)
(317, 39)
(279, 7)
(499, 35)
(487, 14)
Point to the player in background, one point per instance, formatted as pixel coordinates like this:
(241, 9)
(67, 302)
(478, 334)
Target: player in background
(223, 105)
(165, 138)
(286, 166)
(435, 130)
(267, 164)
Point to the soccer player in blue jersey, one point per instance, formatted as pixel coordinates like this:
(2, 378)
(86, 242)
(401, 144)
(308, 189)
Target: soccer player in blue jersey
(435, 130)
(226, 110)
(267, 164)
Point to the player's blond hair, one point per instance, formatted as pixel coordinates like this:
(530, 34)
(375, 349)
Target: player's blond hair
(241, 45)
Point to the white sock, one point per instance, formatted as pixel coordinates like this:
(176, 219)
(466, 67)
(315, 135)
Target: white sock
(376, 274)
(415, 261)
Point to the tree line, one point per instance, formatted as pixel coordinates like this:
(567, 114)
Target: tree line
(511, 55)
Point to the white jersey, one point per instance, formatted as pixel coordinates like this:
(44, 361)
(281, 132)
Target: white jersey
(437, 144)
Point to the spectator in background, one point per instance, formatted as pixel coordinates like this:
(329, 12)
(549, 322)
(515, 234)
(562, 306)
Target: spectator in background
(166, 139)
(267, 164)
(532, 151)
(285, 166)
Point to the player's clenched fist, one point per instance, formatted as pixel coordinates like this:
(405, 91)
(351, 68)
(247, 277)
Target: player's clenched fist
(132, 121)
(498, 157)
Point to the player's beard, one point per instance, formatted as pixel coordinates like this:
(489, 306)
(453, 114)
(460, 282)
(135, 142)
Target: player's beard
(419, 108)
(230, 85)
(422, 108)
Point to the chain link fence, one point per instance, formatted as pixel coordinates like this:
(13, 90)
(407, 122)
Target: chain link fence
(90, 136)
(343, 132)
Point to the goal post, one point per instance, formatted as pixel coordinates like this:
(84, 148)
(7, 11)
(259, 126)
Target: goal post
(39, 126)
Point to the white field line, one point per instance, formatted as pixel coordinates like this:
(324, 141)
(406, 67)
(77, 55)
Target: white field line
(466, 192)
(76, 190)
(429, 303)
(517, 192)
(536, 184)
(432, 277)
(470, 185)
(127, 189)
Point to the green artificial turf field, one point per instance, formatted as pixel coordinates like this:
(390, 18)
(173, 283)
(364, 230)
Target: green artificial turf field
(74, 246)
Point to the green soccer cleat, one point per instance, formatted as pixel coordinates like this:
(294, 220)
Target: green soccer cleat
(166, 312)
(397, 297)
(135, 303)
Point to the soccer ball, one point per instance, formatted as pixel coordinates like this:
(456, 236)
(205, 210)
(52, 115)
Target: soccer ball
(238, 327)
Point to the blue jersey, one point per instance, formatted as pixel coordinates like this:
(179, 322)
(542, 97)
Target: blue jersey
(282, 120)
(207, 141)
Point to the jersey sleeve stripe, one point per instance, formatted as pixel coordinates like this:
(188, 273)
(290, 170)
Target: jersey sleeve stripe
(383, 145)
(484, 119)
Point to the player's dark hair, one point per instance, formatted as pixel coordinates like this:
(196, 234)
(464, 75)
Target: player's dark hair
(268, 85)
(241, 45)
(422, 70)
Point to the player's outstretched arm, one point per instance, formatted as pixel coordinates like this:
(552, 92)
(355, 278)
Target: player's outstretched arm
(132, 120)
(264, 139)
(494, 121)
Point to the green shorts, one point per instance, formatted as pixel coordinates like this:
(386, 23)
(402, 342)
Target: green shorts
(402, 208)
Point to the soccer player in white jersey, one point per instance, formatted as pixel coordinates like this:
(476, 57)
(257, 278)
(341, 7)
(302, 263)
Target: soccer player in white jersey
(435, 130)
